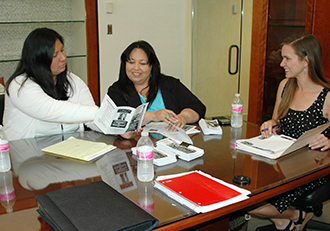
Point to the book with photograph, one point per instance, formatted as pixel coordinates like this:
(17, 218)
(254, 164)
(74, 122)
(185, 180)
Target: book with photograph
(114, 120)
(199, 191)
(184, 151)
(210, 127)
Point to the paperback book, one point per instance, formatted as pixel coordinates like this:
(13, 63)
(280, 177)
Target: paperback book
(183, 151)
(210, 127)
(114, 120)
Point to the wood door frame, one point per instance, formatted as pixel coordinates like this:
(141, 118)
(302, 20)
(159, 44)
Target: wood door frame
(258, 60)
(93, 77)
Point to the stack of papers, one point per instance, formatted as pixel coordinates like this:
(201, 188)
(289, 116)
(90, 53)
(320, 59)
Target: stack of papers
(183, 151)
(200, 191)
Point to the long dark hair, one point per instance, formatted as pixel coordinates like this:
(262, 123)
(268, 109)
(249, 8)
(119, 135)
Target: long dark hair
(303, 45)
(154, 82)
(35, 62)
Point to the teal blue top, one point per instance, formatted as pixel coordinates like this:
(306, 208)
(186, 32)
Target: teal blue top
(157, 104)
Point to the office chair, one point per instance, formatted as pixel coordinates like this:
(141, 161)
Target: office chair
(311, 201)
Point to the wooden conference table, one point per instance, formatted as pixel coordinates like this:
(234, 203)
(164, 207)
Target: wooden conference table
(35, 173)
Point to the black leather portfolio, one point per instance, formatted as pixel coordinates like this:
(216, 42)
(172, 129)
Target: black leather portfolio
(93, 206)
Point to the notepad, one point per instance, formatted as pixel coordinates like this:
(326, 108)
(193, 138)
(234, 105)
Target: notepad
(200, 191)
(77, 149)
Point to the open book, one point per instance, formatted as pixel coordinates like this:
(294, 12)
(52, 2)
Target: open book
(77, 149)
(277, 146)
(180, 135)
(114, 120)
(200, 191)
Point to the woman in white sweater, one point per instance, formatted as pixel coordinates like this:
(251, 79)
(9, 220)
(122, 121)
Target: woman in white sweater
(42, 97)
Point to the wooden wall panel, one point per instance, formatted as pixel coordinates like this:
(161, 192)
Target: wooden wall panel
(258, 59)
(321, 29)
(92, 49)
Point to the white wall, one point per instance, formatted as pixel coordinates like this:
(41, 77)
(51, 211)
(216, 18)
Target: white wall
(163, 23)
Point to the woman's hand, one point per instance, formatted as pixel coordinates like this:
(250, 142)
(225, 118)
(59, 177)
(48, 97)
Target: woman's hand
(177, 120)
(320, 142)
(267, 129)
(132, 134)
(165, 115)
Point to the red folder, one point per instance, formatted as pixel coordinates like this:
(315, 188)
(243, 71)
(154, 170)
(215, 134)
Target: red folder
(204, 191)
(200, 189)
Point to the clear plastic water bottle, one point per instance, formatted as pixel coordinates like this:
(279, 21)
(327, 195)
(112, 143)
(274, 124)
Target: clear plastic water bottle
(237, 112)
(5, 164)
(235, 134)
(145, 155)
(7, 191)
(146, 193)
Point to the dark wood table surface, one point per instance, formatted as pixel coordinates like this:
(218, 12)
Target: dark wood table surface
(36, 173)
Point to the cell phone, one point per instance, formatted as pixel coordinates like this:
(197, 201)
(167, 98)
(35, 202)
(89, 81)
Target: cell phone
(222, 120)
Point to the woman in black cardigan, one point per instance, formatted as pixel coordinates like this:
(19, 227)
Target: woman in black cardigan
(140, 80)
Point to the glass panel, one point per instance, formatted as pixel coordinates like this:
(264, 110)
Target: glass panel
(216, 28)
(18, 18)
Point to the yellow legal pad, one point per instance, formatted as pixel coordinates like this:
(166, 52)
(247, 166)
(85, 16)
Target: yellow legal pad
(77, 149)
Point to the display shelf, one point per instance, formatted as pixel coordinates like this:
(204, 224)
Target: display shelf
(44, 21)
(19, 18)
(68, 56)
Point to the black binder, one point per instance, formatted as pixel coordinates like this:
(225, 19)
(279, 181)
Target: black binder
(93, 206)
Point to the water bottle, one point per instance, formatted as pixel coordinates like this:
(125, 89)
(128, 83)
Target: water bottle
(146, 199)
(7, 191)
(145, 155)
(5, 164)
(237, 112)
(235, 134)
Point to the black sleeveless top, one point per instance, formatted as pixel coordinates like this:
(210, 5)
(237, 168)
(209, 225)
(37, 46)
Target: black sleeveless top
(297, 123)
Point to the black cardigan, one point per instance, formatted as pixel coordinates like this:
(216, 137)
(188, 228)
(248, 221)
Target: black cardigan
(175, 95)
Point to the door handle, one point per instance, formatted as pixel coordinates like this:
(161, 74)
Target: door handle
(229, 59)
